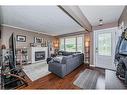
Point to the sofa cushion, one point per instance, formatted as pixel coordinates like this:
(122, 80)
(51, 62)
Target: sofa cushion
(76, 54)
(60, 53)
(58, 59)
(65, 53)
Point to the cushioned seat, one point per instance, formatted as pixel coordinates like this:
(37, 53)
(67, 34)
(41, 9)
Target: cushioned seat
(67, 64)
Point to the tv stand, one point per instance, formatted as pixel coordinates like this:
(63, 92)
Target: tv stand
(11, 78)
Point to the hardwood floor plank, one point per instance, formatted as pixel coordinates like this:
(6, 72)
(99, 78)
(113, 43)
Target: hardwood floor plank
(106, 80)
(113, 82)
(52, 81)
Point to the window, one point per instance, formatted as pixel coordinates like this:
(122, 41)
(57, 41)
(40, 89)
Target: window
(61, 44)
(80, 44)
(72, 44)
(104, 44)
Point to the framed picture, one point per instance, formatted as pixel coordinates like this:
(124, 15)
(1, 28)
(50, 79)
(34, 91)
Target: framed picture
(33, 45)
(37, 40)
(21, 38)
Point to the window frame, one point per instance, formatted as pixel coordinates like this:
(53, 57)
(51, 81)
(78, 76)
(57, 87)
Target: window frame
(66, 43)
(63, 43)
(75, 42)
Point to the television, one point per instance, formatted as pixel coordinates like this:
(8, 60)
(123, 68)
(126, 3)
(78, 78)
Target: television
(12, 82)
(12, 48)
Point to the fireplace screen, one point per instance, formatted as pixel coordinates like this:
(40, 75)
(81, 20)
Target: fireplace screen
(39, 55)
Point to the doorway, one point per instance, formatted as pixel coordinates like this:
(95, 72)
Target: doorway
(104, 48)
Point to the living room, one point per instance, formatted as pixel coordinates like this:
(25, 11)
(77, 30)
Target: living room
(61, 47)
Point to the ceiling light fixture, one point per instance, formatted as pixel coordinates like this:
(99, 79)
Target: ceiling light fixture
(100, 22)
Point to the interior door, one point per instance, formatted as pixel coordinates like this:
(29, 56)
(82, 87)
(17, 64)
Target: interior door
(105, 48)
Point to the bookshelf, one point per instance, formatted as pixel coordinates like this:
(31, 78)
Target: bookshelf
(22, 56)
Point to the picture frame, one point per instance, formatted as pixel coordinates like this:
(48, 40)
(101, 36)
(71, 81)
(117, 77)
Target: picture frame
(33, 45)
(37, 40)
(21, 38)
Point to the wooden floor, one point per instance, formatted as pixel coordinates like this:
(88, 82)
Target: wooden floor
(112, 81)
(52, 81)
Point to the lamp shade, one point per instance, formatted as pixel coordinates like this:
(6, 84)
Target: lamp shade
(87, 43)
(56, 45)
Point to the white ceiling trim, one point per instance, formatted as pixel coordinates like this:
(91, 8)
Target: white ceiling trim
(26, 29)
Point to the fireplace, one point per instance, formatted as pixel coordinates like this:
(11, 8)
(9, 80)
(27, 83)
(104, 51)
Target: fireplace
(39, 55)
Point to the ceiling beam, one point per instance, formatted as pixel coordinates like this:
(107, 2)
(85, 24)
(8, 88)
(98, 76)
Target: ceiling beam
(76, 14)
(69, 15)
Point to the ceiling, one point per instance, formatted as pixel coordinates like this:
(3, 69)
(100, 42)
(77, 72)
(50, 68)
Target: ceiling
(107, 13)
(52, 20)
(46, 19)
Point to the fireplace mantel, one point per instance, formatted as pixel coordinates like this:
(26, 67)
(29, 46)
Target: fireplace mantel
(37, 49)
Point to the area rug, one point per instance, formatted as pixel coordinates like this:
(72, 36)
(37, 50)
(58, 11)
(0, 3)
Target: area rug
(36, 70)
(87, 79)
